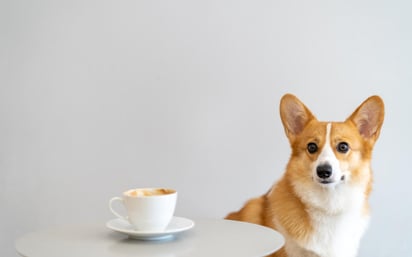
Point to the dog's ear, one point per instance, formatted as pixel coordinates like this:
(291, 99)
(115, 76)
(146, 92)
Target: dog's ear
(295, 115)
(368, 118)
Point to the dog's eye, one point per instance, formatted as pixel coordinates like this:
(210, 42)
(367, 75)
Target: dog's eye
(312, 148)
(342, 147)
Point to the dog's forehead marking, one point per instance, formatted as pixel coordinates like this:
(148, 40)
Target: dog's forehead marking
(328, 129)
(327, 154)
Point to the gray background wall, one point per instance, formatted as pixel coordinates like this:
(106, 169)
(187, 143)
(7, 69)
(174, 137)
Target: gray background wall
(100, 96)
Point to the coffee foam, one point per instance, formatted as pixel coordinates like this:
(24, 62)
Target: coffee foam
(149, 192)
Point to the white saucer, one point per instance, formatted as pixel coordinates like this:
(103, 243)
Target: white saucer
(176, 225)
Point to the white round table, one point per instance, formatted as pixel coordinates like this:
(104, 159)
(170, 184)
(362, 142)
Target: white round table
(209, 237)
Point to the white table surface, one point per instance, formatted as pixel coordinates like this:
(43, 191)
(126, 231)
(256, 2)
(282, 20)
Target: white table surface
(209, 237)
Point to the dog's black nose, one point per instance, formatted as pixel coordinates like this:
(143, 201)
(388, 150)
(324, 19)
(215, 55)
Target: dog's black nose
(324, 171)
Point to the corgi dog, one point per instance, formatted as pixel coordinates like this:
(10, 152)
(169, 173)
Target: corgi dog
(320, 205)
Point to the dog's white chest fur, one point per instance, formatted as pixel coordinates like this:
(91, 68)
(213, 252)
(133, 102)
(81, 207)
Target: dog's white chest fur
(337, 228)
(337, 235)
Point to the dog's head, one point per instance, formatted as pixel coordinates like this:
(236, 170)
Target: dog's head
(328, 154)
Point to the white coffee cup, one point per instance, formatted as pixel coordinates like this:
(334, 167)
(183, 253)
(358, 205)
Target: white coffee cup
(148, 209)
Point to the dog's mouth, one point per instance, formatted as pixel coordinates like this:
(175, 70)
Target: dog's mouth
(329, 181)
(325, 182)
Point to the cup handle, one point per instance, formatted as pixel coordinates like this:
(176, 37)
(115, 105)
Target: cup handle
(112, 210)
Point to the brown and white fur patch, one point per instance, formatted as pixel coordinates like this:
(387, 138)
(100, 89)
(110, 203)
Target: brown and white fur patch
(320, 205)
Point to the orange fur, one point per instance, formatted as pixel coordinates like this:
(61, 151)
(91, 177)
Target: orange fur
(298, 216)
